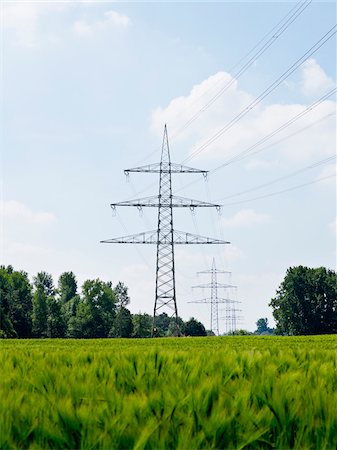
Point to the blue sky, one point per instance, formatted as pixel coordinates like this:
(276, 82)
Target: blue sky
(87, 88)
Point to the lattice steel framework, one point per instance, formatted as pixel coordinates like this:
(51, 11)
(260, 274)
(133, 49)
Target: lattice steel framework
(165, 237)
(214, 299)
(231, 318)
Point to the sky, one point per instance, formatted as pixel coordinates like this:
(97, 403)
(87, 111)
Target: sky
(87, 88)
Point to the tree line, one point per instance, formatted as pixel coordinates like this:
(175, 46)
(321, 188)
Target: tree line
(41, 310)
(305, 304)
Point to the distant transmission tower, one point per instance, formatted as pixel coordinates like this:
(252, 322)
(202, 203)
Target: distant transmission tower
(231, 318)
(214, 299)
(165, 237)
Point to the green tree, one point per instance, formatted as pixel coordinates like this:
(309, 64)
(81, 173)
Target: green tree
(239, 332)
(262, 326)
(142, 325)
(15, 302)
(194, 328)
(56, 322)
(69, 310)
(172, 328)
(40, 313)
(306, 302)
(122, 297)
(122, 326)
(67, 286)
(100, 299)
(44, 281)
(6, 326)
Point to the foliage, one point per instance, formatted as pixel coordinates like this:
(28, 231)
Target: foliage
(122, 297)
(122, 326)
(15, 303)
(240, 332)
(56, 322)
(142, 325)
(44, 281)
(306, 302)
(256, 392)
(100, 311)
(262, 326)
(40, 312)
(100, 302)
(67, 286)
(194, 328)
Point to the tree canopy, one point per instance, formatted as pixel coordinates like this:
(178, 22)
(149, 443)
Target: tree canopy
(39, 310)
(306, 302)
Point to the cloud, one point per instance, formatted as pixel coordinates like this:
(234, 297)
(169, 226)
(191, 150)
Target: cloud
(22, 20)
(32, 24)
(264, 119)
(15, 210)
(247, 218)
(314, 80)
(83, 28)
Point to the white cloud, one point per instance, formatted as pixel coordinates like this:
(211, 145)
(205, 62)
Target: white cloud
(259, 122)
(314, 80)
(247, 218)
(31, 24)
(83, 28)
(15, 210)
(22, 21)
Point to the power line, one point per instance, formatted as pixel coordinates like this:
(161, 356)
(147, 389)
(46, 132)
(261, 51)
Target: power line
(237, 75)
(275, 33)
(292, 174)
(298, 186)
(266, 92)
(248, 151)
(298, 116)
(295, 133)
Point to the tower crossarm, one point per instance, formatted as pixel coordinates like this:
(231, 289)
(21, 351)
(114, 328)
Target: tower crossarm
(165, 168)
(174, 201)
(147, 237)
(214, 285)
(180, 237)
(209, 300)
(150, 237)
(213, 271)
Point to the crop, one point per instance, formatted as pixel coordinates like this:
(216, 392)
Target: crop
(185, 393)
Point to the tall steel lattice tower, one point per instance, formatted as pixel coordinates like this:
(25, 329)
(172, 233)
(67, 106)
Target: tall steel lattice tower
(214, 299)
(165, 237)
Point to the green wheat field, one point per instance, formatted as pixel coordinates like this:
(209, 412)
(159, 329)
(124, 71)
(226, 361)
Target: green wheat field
(184, 393)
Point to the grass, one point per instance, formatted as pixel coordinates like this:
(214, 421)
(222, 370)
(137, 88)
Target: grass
(185, 393)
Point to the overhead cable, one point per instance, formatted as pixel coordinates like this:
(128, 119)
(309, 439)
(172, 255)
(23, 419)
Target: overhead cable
(266, 92)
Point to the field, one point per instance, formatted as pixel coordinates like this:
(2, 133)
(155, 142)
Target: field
(185, 393)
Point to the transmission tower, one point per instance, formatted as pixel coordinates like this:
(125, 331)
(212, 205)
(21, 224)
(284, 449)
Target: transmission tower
(165, 237)
(231, 318)
(214, 299)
